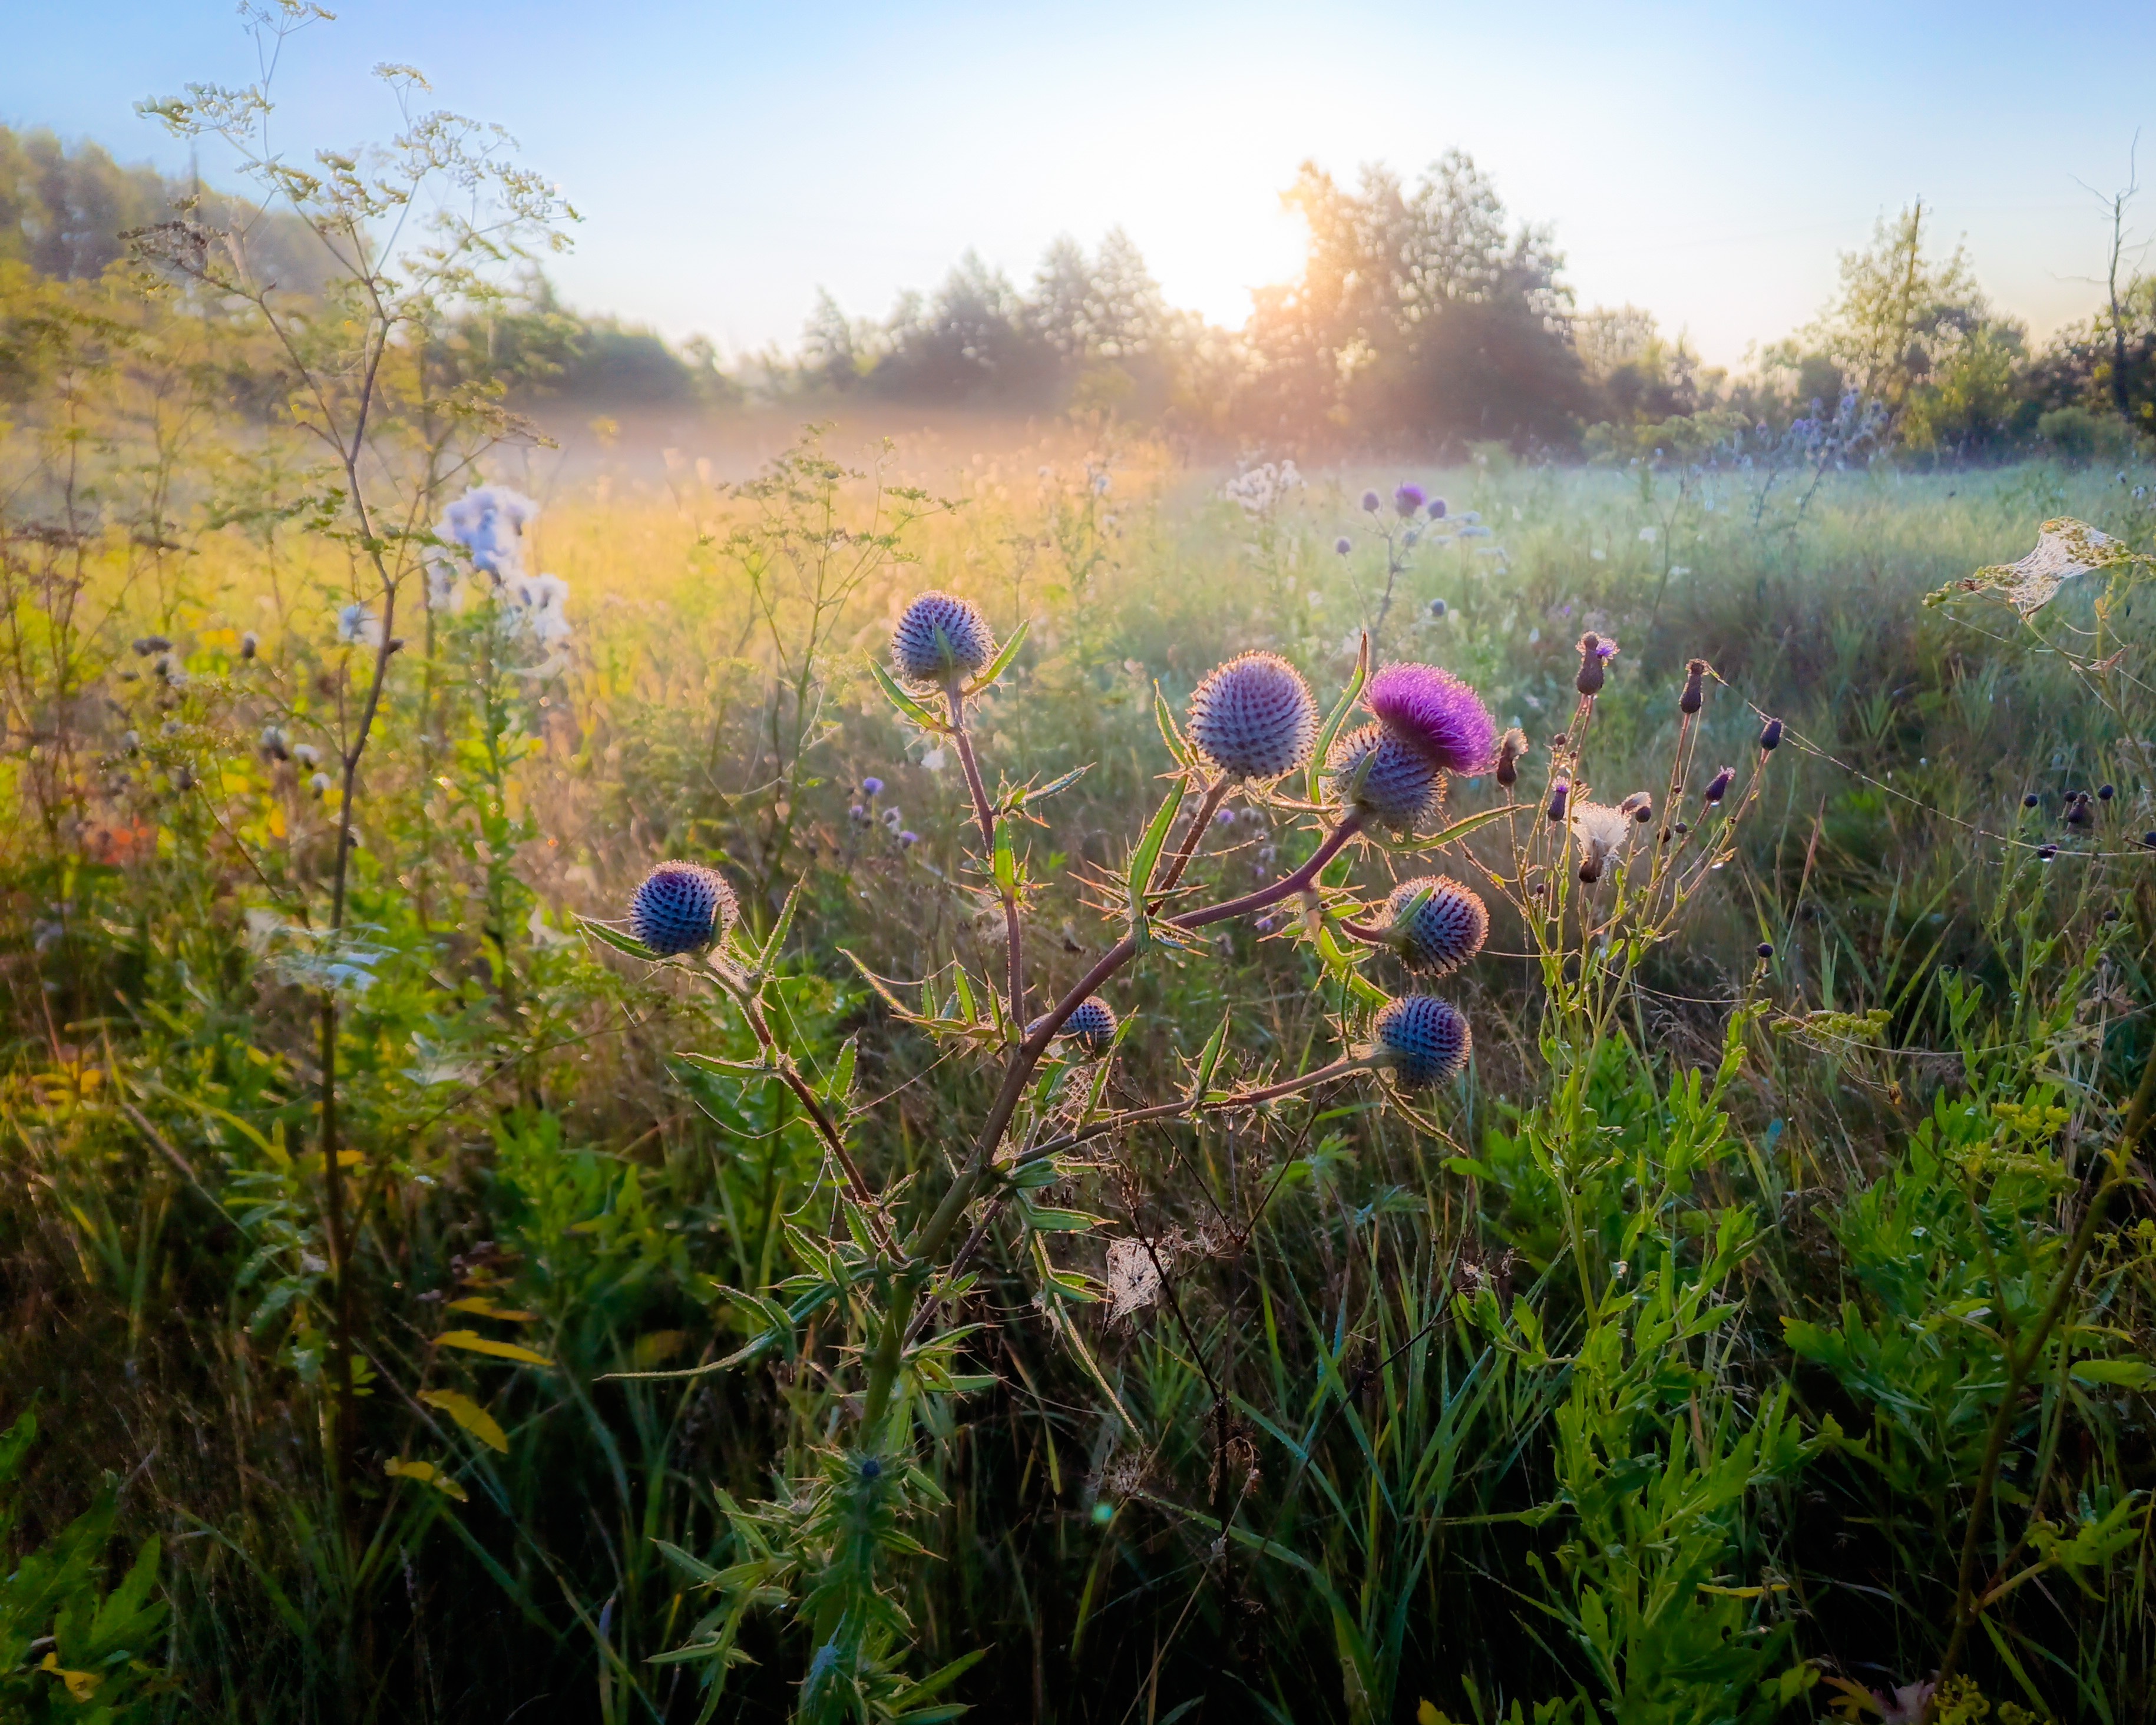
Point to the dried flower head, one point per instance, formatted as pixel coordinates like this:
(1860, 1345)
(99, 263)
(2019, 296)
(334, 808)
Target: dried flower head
(1424, 1040)
(680, 906)
(1396, 786)
(941, 637)
(1255, 718)
(1601, 833)
(1510, 748)
(1717, 787)
(1435, 924)
(1639, 806)
(274, 743)
(1436, 714)
(1695, 691)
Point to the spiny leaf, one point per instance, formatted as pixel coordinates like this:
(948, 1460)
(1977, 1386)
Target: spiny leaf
(619, 941)
(1146, 856)
(1002, 661)
(1170, 732)
(908, 707)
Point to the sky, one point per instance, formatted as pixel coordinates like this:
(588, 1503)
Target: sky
(1707, 163)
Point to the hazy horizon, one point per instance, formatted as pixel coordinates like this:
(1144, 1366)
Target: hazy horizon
(730, 163)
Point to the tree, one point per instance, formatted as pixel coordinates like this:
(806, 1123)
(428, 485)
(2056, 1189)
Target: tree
(1899, 314)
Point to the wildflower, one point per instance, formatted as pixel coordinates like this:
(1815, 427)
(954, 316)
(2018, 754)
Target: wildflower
(132, 740)
(1407, 499)
(1435, 714)
(2104, 793)
(1437, 509)
(1510, 748)
(1766, 949)
(489, 523)
(1370, 502)
(2031, 800)
(1396, 786)
(892, 817)
(858, 815)
(1264, 925)
(1717, 787)
(1593, 664)
(356, 626)
(1559, 793)
(1254, 718)
(909, 839)
(2045, 853)
(1424, 1040)
(1092, 1025)
(2079, 811)
(680, 906)
(1473, 531)
(274, 744)
(1343, 545)
(871, 787)
(1435, 924)
(148, 645)
(1695, 694)
(1648, 535)
(306, 754)
(940, 638)
(250, 643)
(1437, 609)
(319, 784)
(1602, 832)
(1224, 818)
(1770, 736)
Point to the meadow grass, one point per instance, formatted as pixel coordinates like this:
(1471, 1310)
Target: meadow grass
(1646, 1374)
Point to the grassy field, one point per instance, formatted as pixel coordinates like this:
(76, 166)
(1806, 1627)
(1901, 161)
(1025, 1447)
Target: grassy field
(1761, 1320)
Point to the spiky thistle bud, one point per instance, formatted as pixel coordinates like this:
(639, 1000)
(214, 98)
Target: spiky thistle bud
(1436, 714)
(1770, 736)
(1717, 787)
(1407, 499)
(1370, 501)
(274, 743)
(1255, 718)
(1092, 1025)
(1694, 689)
(1510, 748)
(1435, 924)
(680, 906)
(940, 637)
(1394, 785)
(1424, 1040)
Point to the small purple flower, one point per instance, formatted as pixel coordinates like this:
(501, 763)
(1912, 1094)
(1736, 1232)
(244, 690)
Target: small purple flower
(871, 787)
(909, 839)
(1436, 714)
(858, 815)
(1264, 925)
(1717, 787)
(1343, 545)
(1608, 650)
(1407, 499)
(1370, 501)
(1437, 509)
(1224, 818)
(1438, 608)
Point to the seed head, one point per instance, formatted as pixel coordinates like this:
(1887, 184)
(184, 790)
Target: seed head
(1510, 748)
(2046, 852)
(1770, 736)
(319, 784)
(2104, 793)
(1092, 1025)
(1424, 1040)
(1407, 499)
(1717, 787)
(1435, 713)
(940, 637)
(1254, 718)
(1395, 785)
(1438, 608)
(1437, 509)
(306, 754)
(1766, 949)
(1435, 924)
(1602, 832)
(1695, 692)
(682, 907)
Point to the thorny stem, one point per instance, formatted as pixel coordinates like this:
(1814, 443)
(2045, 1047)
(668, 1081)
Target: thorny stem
(934, 1234)
(984, 812)
(2021, 1362)
(1216, 793)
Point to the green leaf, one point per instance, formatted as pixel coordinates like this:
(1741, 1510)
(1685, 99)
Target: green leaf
(1209, 1058)
(1002, 661)
(1170, 733)
(619, 941)
(719, 1063)
(1461, 828)
(908, 707)
(1006, 861)
(784, 926)
(1338, 718)
(470, 1414)
(1059, 1221)
(1146, 856)
(2125, 1374)
(1027, 796)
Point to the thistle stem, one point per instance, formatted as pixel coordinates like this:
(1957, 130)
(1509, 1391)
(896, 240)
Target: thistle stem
(984, 812)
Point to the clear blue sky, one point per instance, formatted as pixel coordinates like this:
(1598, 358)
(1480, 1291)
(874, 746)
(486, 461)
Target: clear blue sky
(1706, 163)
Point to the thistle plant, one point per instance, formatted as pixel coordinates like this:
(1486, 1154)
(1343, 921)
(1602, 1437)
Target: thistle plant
(893, 1274)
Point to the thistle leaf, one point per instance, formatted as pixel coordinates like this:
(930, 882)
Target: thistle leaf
(1002, 661)
(1335, 719)
(908, 707)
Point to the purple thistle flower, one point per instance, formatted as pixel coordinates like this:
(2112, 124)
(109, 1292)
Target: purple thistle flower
(1343, 545)
(939, 637)
(1437, 715)
(1437, 509)
(1224, 818)
(871, 787)
(909, 839)
(1254, 718)
(1264, 925)
(1370, 501)
(1770, 736)
(1396, 786)
(1424, 1040)
(680, 906)
(859, 815)
(1407, 498)
(1435, 924)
